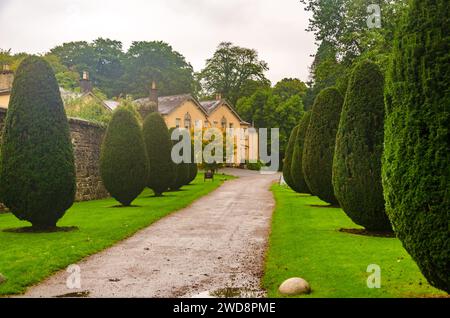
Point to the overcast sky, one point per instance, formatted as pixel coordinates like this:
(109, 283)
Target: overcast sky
(275, 28)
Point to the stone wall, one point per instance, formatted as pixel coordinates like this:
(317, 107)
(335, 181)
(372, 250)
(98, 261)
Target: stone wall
(86, 139)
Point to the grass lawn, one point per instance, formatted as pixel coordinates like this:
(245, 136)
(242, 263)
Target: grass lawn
(26, 259)
(305, 242)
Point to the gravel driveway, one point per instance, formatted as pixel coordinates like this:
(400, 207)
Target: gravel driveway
(215, 247)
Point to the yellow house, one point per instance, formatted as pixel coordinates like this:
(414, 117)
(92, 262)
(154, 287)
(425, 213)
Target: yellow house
(186, 111)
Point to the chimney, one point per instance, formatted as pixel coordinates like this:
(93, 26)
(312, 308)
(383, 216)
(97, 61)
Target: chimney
(6, 78)
(218, 96)
(85, 83)
(153, 98)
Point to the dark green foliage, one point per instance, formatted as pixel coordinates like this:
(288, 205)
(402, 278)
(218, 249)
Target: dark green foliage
(159, 147)
(193, 168)
(255, 166)
(319, 144)
(123, 160)
(181, 170)
(37, 164)
(288, 159)
(416, 161)
(296, 165)
(359, 147)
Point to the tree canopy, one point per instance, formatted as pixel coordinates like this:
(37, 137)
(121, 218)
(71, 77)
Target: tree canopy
(230, 68)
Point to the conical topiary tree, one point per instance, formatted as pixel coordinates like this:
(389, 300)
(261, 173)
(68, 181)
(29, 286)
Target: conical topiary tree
(181, 171)
(359, 147)
(416, 161)
(159, 147)
(318, 150)
(288, 159)
(296, 165)
(37, 164)
(193, 168)
(123, 160)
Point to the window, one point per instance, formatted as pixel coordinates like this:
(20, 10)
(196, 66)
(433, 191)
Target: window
(231, 125)
(187, 121)
(177, 122)
(215, 123)
(224, 122)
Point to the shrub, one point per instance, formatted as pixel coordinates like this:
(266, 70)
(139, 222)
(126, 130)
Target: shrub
(288, 157)
(181, 170)
(255, 166)
(88, 108)
(416, 160)
(359, 147)
(297, 176)
(159, 147)
(319, 144)
(37, 163)
(123, 161)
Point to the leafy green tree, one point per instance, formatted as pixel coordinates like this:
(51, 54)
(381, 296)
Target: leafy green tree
(320, 140)
(288, 87)
(416, 161)
(343, 24)
(359, 147)
(102, 58)
(298, 179)
(156, 61)
(287, 163)
(159, 147)
(265, 109)
(37, 168)
(123, 161)
(326, 71)
(230, 69)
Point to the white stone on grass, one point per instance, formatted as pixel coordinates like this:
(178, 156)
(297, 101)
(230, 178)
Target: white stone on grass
(294, 286)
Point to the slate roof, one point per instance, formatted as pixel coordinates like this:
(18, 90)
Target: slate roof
(111, 104)
(166, 104)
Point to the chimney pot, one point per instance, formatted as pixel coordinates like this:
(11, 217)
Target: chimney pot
(153, 98)
(85, 83)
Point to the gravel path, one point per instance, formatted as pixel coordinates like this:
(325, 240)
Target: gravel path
(216, 247)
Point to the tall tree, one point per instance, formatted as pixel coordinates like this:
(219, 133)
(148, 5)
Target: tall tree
(123, 162)
(102, 59)
(156, 61)
(359, 146)
(37, 167)
(288, 87)
(415, 171)
(230, 69)
(159, 146)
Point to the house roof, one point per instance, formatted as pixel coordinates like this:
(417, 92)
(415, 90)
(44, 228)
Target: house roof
(167, 104)
(111, 104)
(6, 91)
(211, 105)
